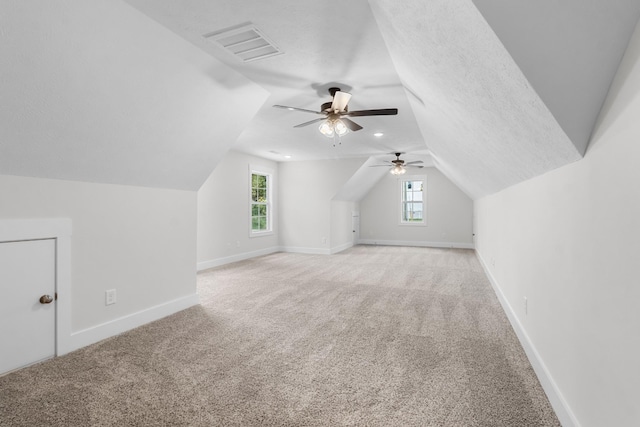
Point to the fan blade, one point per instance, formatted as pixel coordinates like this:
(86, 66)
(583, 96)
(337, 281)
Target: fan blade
(414, 166)
(414, 162)
(386, 166)
(353, 126)
(309, 122)
(340, 101)
(298, 109)
(382, 112)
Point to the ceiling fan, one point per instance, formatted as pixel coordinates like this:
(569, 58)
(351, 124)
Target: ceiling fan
(335, 121)
(398, 166)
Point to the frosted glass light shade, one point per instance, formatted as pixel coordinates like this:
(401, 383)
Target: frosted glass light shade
(326, 128)
(397, 170)
(339, 127)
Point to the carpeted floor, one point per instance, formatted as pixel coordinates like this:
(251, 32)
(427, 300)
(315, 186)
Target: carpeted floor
(377, 336)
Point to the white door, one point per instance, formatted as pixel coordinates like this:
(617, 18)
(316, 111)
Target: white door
(27, 319)
(355, 221)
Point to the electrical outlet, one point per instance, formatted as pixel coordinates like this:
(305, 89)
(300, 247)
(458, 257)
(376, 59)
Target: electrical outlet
(526, 306)
(110, 297)
(237, 243)
(324, 240)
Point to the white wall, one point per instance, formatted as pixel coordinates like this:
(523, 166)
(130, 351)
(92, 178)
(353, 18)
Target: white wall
(568, 241)
(342, 224)
(306, 192)
(449, 214)
(223, 213)
(139, 241)
(99, 92)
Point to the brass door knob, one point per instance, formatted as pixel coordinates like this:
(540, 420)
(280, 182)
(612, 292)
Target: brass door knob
(46, 299)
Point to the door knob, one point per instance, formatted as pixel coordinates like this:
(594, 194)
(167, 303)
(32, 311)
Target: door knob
(46, 299)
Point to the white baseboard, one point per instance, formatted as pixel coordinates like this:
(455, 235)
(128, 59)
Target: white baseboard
(455, 245)
(341, 248)
(114, 327)
(558, 402)
(234, 258)
(301, 250)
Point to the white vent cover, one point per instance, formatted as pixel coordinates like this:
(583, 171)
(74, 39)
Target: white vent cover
(245, 42)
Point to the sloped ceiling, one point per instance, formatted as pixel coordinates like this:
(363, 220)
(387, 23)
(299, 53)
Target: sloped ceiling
(569, 51)
(95, 91)
(494, 93)
(461, 96)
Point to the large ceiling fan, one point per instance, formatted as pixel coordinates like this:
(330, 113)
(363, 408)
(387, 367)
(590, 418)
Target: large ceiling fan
(335, 121)
(398, 166)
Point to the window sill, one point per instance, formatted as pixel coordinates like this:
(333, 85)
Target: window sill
(414, 224)
(261, 233)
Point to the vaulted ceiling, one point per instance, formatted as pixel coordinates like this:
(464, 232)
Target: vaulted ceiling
(491, 92)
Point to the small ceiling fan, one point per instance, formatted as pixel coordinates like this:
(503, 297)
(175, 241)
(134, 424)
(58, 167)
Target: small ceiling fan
(335, 114)
(398, 166)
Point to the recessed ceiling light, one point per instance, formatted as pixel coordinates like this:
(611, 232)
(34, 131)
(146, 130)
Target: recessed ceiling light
(287, 156)
(378, 134)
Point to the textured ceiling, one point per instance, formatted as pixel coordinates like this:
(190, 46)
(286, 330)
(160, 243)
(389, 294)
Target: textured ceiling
(492, 93)
(569, 51)
(461, 96)
(95, 91)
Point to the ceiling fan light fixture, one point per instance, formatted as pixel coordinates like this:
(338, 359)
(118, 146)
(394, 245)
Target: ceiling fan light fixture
(398, 170)
(339, 127)
(326, 128)
(332, 127)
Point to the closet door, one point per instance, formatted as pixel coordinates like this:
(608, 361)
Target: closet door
(27, 302)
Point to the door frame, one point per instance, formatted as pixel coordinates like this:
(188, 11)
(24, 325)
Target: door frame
(59, 229)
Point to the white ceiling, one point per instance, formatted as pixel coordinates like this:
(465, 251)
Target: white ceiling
(460, 94)
(98, 91)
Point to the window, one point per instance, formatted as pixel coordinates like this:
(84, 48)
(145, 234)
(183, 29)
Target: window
(260, 202)
(412, 200)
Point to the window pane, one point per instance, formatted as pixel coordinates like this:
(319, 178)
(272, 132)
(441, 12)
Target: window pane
(260, 199)
(412, 199)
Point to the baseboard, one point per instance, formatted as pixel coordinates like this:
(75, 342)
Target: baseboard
(235, 258)
(455, 245)
(114, 327)
(558, 402)
(341, 248)
(301, 250)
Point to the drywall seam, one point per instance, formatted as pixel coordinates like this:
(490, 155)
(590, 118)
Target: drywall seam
(557, 400)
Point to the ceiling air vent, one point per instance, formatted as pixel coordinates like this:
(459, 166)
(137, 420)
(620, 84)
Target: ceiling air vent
(245, 42)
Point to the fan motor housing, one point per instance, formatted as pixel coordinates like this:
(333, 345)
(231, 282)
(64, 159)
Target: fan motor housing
(326, 107)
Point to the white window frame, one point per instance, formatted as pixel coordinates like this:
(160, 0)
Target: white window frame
(257, 170)
(401, 180)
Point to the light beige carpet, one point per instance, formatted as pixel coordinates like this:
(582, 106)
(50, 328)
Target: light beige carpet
(378, 336)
